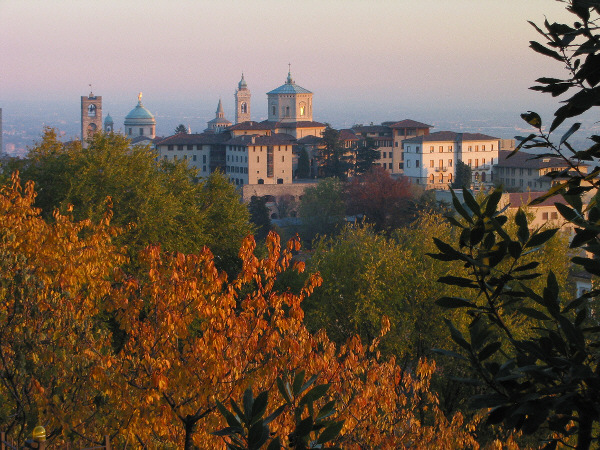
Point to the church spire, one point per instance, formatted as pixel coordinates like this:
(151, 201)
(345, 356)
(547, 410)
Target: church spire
(220, 112)
(289, 77)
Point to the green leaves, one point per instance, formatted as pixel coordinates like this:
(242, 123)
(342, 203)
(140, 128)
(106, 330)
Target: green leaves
(248, 430)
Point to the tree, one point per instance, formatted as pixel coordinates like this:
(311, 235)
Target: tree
(155, 202)
(259, 216)
(463, 177)
(333, 159)
(549, 380)
(322, 209)
(382, 200)
(181, 128)
(366, 155)
(303, 170)
(191, 338)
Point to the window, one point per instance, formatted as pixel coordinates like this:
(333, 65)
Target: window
(130, 130)
(274, 111)
(431, 149)
(408, 163)
(302, 110)
(554, 216)
(141, 131)
(417, 149)
(417, 163)
(185, 157)
(441, 163)
(545, 216)
(470, 148)
(194, 158)
(431, 163)
(203, 159)
(203, 168)
(476, 163)
(287, 111)
(261, 181)
(441, 149)
(92, 111)
(449, 148)
(190, 147)
(477, 148)
(449, 163)
(258, 159)
(170, 147)
(483, 161)
(244, 108)
(283, 159)
(180, 147)
(469, 163)
(483, 148)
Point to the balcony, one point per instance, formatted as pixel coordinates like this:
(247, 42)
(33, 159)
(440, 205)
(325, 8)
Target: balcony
(441, 169)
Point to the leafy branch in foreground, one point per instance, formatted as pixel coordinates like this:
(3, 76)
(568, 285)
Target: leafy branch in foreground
(248, 430)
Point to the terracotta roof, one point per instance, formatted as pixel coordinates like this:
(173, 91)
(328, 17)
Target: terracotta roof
(310, 140)
(348, 135)
(408, 123)
(449, 136)
(194, 138)
(251, 125)
(521, 199)
(372, 129)
(275, 139)
(300, 124)
(526, 160)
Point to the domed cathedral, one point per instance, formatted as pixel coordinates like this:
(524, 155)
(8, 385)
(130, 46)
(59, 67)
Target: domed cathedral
(290, 102)
(91, 116)
(242, 102)
(140, 122)
(219, 123)
(109, 125)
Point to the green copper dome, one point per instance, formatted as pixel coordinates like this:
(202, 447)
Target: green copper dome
(108, 120)
(139, 115)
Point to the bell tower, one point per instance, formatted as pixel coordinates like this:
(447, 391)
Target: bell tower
(242, 102)
(91, 116)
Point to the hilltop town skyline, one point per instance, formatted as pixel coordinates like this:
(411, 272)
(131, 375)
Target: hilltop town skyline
(460, 65)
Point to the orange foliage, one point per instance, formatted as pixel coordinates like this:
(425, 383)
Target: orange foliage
(180, 338)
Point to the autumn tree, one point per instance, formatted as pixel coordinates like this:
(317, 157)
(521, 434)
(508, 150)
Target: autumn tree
(53, 280)
(155, 202)
(382, 200)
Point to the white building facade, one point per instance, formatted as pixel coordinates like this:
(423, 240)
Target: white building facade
(430, 160)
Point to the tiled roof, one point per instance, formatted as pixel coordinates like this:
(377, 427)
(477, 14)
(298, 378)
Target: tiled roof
(348, 135)
(408, 123)
(251, 125)
(275, 139)
(310, 140)
(372, 129)
(194, 138)
(446, 136)
(522, 199)
(300, 124)
(525, 160)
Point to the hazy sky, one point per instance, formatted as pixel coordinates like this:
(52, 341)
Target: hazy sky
(361, 58)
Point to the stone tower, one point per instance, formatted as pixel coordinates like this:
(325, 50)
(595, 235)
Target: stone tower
(242, 102)
(91, 116)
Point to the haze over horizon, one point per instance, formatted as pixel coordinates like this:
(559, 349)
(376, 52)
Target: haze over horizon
(440, 62)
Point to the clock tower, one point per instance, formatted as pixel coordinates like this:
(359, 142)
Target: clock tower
(242, 102)
(91, 116)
